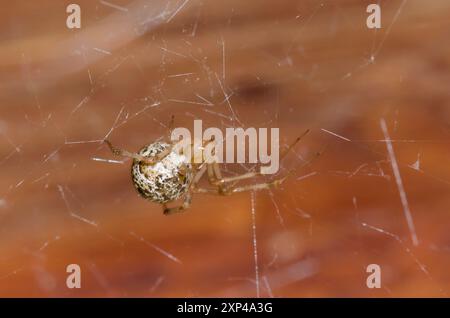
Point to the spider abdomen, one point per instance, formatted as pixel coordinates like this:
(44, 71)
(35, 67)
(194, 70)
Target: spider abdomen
(166, 180)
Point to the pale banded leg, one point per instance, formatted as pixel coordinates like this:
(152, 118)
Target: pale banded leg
(220, 182)
(251, 174)
(233, 188)
(136, 156)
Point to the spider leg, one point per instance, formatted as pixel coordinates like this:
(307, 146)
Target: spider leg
(205, 168)
(174, 143)
(135, 156)
(125, 153)
(221, 189)
(258, 186)
(208, 191)
(216, 178)
(184, 206)
(170, 127)
(238, 178)
(220, 180)
(198, 176)
(211, 176)
(188, 198)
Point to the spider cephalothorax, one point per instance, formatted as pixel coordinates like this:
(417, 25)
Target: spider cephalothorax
(164, 181)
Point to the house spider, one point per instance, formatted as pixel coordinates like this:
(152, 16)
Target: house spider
(162, 175)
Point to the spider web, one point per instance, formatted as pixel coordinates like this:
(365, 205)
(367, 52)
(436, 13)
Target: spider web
(376, 194)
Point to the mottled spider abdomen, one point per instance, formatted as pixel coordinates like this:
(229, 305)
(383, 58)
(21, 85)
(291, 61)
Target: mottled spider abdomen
(164, 181)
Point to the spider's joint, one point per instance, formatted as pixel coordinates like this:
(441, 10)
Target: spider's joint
(114, 150)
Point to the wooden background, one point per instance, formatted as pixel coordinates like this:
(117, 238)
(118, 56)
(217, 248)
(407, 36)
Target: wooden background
(288, 64)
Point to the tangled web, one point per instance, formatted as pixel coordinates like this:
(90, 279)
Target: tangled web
(64, 198)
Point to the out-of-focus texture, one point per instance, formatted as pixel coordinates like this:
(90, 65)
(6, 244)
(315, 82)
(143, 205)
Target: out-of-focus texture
(288, 64)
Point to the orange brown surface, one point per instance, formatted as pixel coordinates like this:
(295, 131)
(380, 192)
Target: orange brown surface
(295, 65)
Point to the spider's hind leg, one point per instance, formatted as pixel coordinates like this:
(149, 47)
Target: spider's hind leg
(227, 185)
(170, 128)
(220, 181)
(258, 186)
(232, 187)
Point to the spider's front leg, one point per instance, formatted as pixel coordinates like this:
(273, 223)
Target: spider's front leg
(135, 156)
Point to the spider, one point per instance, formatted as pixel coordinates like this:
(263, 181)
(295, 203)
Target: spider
(163, 175)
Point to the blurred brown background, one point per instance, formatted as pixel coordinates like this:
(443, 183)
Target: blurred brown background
(288, 64)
